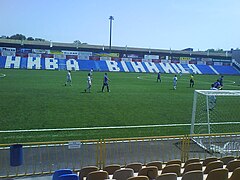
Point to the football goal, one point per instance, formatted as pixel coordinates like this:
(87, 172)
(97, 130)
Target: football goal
(215, 111)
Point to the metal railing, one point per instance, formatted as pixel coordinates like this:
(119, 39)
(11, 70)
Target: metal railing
(45, 158)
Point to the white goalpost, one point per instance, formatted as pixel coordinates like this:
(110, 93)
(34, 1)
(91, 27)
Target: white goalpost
(215, 111)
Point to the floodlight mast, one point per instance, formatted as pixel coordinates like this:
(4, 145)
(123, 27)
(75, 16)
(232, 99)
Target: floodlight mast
(110, 41)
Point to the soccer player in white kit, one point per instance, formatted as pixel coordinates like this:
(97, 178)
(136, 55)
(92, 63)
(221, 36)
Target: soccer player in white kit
(89, 83)
(69, 79)
(175, 82)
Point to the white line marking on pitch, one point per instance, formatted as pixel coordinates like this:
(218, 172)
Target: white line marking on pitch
(146, 78)
(113, 127)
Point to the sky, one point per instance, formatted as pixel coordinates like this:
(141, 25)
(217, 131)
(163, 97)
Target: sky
(153, 24)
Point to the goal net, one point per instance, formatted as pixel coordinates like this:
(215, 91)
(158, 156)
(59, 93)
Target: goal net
(215, 111)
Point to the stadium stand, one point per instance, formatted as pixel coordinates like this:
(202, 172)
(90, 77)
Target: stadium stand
(86, 57)
(135, 161)
(226, 70)
(87, 65)
(72, 64)
(169, 172)
(205, 69)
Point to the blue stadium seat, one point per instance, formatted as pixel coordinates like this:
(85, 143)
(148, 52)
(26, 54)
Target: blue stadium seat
(205, 69)
(60, 172)
(86, 65)
(226, 70)
(103, 66)
(68, 177)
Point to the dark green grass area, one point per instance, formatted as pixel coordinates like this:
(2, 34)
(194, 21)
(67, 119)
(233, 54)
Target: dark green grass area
(38, 99)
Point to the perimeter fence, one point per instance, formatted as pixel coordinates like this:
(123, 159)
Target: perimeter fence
(45, 158)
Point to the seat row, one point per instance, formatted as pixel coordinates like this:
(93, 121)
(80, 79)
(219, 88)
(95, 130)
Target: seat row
(156, 168)
(127, 174)
(178, 167)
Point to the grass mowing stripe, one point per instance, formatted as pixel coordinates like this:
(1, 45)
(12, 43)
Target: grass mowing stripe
(113, 127)
(34, 99)
(21, 137)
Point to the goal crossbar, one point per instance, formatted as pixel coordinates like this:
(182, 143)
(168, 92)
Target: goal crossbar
(219, 92)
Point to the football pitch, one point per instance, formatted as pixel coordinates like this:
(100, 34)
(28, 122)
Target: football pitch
(36, 106)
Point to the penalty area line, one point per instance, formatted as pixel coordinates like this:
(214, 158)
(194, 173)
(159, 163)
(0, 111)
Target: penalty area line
(113, 127)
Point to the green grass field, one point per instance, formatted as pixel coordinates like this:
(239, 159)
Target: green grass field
(38, 99)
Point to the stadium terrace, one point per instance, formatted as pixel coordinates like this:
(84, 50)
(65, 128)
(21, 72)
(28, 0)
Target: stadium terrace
(62, 56)
(17, 62)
